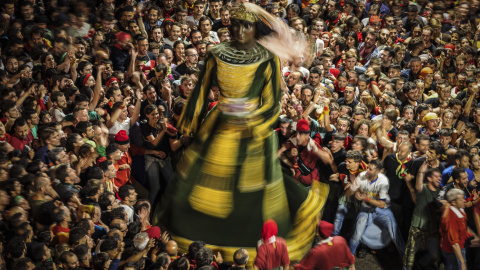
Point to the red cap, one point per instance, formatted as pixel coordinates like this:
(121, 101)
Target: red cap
(154, 232)
(269, 229)
(303, 126)
(325, 229)
(110, 81)
(168, 20)
(375, 19)
(122, 36)
(121, 137)
(86, 79)
(449, 46)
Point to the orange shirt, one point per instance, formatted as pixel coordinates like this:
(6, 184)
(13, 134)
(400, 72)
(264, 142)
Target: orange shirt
(453, 229)
(123, 176)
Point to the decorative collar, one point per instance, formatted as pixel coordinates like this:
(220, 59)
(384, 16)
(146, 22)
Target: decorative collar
(458, 212)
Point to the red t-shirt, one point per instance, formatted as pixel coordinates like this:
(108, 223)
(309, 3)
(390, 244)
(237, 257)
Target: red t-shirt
(270, 257)
(334, 253)
(453, 229)
(19, 144)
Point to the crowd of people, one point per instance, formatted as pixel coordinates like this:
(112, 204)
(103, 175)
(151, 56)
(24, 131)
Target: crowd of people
(382, 108)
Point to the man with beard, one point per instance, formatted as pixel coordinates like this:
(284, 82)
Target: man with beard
(371, 188)
(427, 38)
(382, 41)
(12, 68)
(180, 14)
(59, 104)
(23, 135)
(307, 95)
(224, 21)
(349, 97)
(368, 49)
(214, 10)
(313, 13)
(460, 181)
(120, 51)
(199, 8)
(195, 37)
(430, 120)
(444, 95)
(387, 56)
(412, 17)
(423, 234)
(80, 49)
(411, 93)
(85, 129)
(340, 47)
(126, 14)
(152, 98)
(31, 116)
(191, 60)
(168, 8)
(315, 77)
(470, 136)
(142, 54)
(153, 18)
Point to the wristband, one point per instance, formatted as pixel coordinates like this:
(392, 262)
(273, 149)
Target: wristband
(374, 82)
(367, 199)
(122, 107)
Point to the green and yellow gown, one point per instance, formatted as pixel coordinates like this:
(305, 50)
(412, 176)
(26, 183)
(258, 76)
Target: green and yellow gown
(229, 180)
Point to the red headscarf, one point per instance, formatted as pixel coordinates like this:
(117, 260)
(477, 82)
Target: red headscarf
(86, 79)
(269, 229)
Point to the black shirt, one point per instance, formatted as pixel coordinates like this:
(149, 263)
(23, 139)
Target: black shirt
(398, 187)
(163, 145)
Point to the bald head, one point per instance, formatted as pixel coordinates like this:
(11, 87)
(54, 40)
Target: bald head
(171, 248)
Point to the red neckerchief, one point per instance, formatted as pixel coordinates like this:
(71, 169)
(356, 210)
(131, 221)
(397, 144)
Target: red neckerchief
(361, 168)
(360, 37)
(363, 56)
(399, 40)
(118, 46)
(168, 14)
(339, 90)
(339, 61)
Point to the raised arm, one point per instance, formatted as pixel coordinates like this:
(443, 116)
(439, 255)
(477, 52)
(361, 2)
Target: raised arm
(136, 111)
(98, 88)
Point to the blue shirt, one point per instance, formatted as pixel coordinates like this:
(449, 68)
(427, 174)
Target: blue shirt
(447, 173)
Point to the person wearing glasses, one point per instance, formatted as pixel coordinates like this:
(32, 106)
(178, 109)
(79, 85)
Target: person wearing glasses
(191, 60)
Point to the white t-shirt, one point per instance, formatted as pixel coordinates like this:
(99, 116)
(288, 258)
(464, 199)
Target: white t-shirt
(117, 126)
(376, 189)
(129, 212)
(59, 115)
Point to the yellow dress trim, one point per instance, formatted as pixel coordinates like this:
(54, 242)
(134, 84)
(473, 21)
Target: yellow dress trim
(299, 240)
(212, 202)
